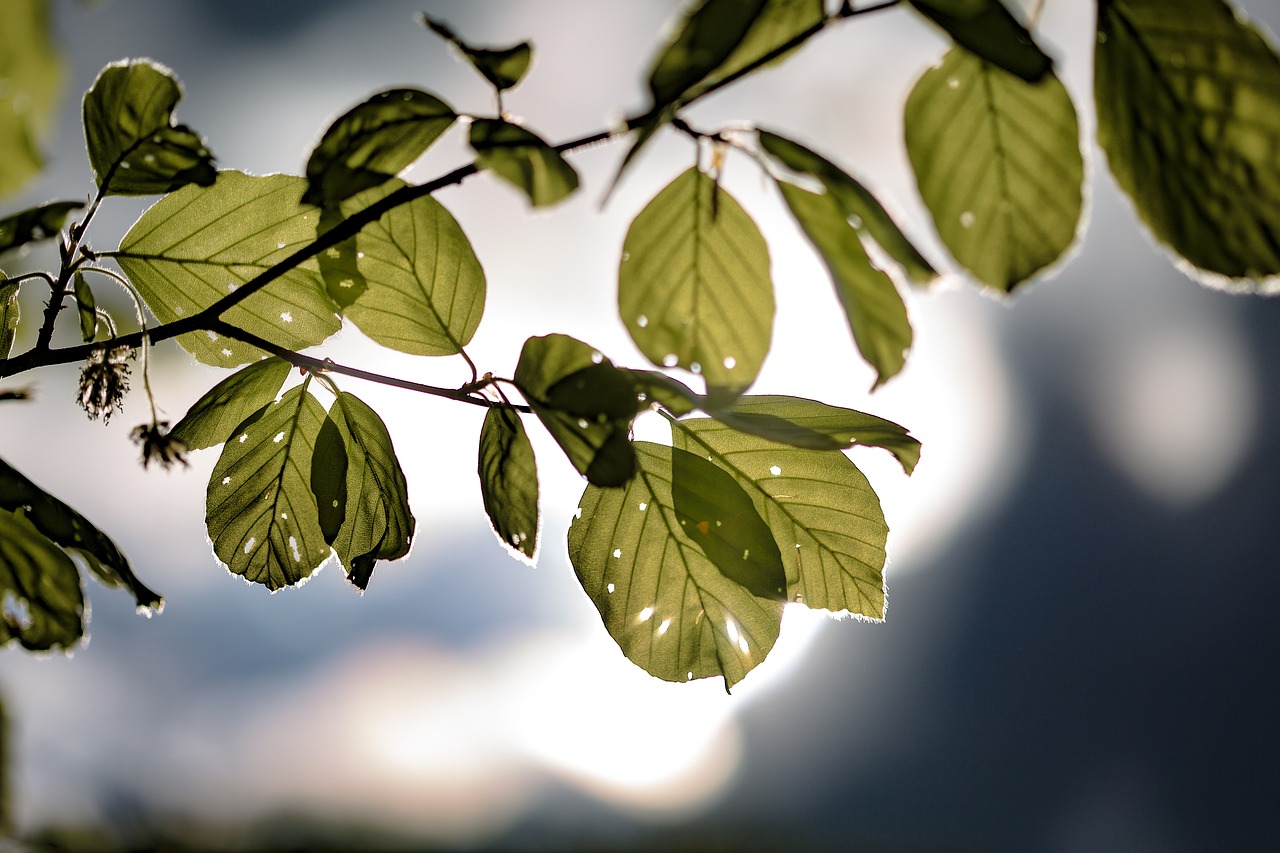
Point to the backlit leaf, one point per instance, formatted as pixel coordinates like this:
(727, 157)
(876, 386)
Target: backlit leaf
(665, 603)
(260, 510)
(10, 313)
(673, 395)
(194, 246)
(214, 417)
(38, 223)
(998, 164)
(823, 513)
(86, 307)
(503, 67)
(374, 141)
(134, 146)
(524, 160)
(32, 75)
(693, 285)
(987, 30)
(509, 481)
(708, 35)
(778, 23)
(877, 316)
(1188, 101)
(40, 579)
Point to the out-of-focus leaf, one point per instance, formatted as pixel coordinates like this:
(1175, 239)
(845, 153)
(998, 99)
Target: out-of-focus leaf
(214, 417)
(44, 584)
(693, 286)
(10, 313)
(987, 30)
(662, 599)
(37, 223)
(503, 67)
(194, 246)
(778, 23)
(31, 71)
(524, 160)
(998, 164)
(134, 146)
(1188, 99)
(644, 131)
(509, 481)
(877, 316)
(86, 307)
(709, 34)
(374, 141)
(673, 395)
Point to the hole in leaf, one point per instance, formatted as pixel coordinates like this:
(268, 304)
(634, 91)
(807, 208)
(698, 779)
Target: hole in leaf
(646, 614)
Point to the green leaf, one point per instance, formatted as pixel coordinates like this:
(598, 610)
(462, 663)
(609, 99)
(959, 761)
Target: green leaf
(666, 604)
(576, 392)
(778, 23)
(509, 481)
(74, 532)
(864, 211)
(693, 285)
(40, 579)
(134, 146)
(374, 141)
(86, 306)
(416, 286)
(260, 510)
(998, 164)
(214, 417)
(988, 31)
(1188, 101)
(823, 513)
(708, 35)
(644, 131)
(194, 246)
(673, 395)
(37, 223)
(10, 313)
(877, 316)
(809, 423)
(503, 67)
(378, 524)
(524, 160)
(32, 73)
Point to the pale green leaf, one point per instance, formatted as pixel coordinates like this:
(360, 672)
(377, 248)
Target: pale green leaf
(998, 164)
(708, 35)
(213, 418)
(524, 160)
(1188, 101)
(987, 30)
(509, 481)
(10, 313)
(30, 77)
(503, 67)
(37, 223)
(823, 513)
(260, 510)
(665, 603)
(134, 146)
(195, 246)
(37, 576)
(874, 308)
(693, 285)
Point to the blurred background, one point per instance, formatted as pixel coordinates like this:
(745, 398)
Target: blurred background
(1081, 637)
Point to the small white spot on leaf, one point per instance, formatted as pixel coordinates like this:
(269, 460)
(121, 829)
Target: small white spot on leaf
(248, 546)
(730, 362)
(610, 588)
(775, 470)
(967, 219)
(670, 360)
(617, 553)
(286, 316)
(646, 614)
(279, 437)
(293, 546)
(662, 629)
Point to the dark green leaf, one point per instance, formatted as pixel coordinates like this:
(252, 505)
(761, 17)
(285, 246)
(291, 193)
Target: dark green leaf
(1188, 101)
(860, 207)
(644, 131)
(74, 532)
(134, 146)
(86, 306)
(876, 313)
(524, 160)
(329, 478)
(592, 428)
(665, 603)
(778, 23)
(708, 35)
(378, 524)
(509, 481)
(38, 223)
(987, 30)
(260, 510)
(374, 141)
(32, 75)
(503, 67)
(10, 313)
(214, 417)
(809, 423)
(41, 604)
(194, 246)
(693, 285)
(823, 513)
(673, 395)
(998, 164)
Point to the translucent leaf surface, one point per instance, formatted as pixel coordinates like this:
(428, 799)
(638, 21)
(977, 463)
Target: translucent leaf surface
(377, 523)
(194, 246)
(38, 223)
(524, 160)
(509, 481)
(214, 417)
(10, 313)
(673, 395)
(134, 146)
(503, 67)
(1188, 101)
(693, 285)
(418, 287)
(987, 30)
(823, 513)
(579, 396)
(32, 74)
(998, 164)
(665, 603)
(863, 210)
(877, 316)
(41, 604)
(777, 23)
(260, 510)
(374, 141)
(708, 35)
(86, 307)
